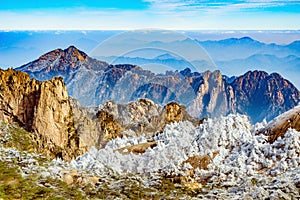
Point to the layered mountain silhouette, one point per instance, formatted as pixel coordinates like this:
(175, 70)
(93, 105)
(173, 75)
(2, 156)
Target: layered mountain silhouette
(231, 56)
(239, 48)
(207, 94)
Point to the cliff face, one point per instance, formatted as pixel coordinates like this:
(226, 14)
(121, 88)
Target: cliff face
(207, 94)
(42, 108)
(214, 97)
(86, 124)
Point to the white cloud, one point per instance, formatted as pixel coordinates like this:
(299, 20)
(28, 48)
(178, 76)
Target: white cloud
(164, 14)
(206, 5)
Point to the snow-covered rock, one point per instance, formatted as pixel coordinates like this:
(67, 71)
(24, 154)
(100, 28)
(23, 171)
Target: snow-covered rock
(239, 151)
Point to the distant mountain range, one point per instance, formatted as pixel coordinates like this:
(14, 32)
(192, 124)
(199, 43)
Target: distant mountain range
(205, 94)
(20, 47)
(240, 48)
(233, 56)
(286, 65)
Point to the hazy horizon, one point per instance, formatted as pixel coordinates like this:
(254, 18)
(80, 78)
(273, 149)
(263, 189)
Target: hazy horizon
(21, 47)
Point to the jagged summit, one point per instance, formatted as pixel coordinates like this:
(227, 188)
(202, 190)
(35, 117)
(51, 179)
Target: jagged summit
(72, 52)
(61, 63)
(264, 95)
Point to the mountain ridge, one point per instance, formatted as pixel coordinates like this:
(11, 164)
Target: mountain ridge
(206, 94)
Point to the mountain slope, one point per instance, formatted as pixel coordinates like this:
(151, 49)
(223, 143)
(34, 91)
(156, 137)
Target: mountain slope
(263, 95)
(71, 64)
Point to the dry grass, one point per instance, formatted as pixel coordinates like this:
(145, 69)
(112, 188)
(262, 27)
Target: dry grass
(137, 149)
(200, 162)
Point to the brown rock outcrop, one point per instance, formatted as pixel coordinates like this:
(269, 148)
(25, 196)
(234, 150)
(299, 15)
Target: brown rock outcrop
(97, 126)
(109, 126)
(213, 97)
(279, 126)
(172, 112)
(86, 124)
(42, 108)
(144, 116)
(138, 148)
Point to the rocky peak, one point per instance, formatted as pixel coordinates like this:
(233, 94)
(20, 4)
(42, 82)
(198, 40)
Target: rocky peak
(212, 96)
(186, 72)
(261, 95)
(73, 53)
(58, 57)
(249, 81)
(61, 63)
(69, 55)
(134, 111)
(42, 108)
(172, 112)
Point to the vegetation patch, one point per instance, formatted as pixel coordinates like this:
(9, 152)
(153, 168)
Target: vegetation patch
(16, 137)
(14, 186)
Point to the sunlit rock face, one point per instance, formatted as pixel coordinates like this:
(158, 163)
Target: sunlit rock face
(42, 108)
(214, 97)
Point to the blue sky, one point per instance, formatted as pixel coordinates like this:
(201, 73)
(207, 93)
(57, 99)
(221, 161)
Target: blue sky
(135, 14)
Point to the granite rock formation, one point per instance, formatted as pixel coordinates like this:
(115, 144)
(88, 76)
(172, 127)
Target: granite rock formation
(42, 108)
(98, 125)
